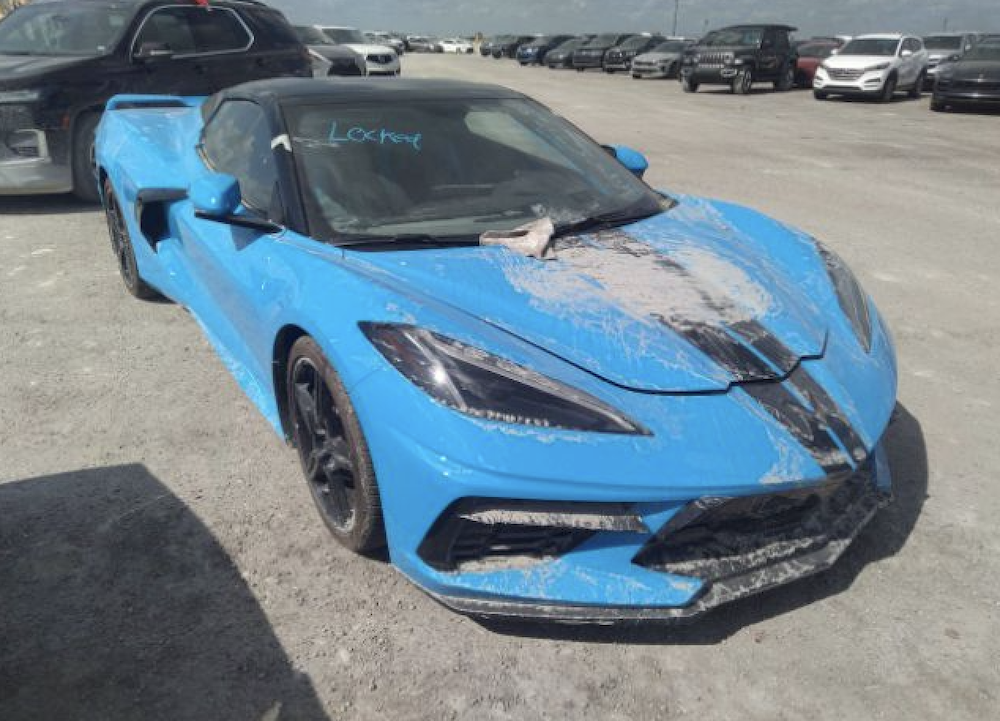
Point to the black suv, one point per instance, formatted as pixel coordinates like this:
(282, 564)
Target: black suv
(740, 56)
(61, 60)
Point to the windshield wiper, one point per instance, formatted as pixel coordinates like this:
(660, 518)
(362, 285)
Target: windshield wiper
(351, 241)
(604, 221)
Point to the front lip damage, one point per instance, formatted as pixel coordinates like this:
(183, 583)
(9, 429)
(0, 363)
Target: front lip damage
(711, 596)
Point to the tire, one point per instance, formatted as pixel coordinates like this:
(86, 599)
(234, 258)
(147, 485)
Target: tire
(937, 106)
(888, 90)
(121, 246)
(689, 85)
(743, 82)
(333, 450)
(820, 95)
(917, 91)
(787, 80)
(579, 70)
(83, 163)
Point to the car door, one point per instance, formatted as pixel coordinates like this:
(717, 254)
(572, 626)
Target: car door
(166, 56)
(767, 62)
(251, 44)
(229, 264)
(911, 61)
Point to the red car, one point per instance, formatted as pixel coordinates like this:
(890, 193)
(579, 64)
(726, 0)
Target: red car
(811, 54)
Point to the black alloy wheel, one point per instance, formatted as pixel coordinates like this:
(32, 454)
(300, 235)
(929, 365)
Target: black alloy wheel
(121, 246)
(888, 90)
(689, 85)
(742, 82)
(787, 80)
(332, 450)
(84, 161)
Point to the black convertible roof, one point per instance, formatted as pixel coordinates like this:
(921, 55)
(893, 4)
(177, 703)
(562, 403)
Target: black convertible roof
(290, 91)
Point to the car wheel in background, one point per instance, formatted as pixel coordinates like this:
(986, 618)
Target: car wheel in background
(820, 95)
(888, 90)
(787, 80)
(937, 106)
(83, 161)
(333, 450)
(689, 85)
(742, 82)
(121, 245)
(917, 91)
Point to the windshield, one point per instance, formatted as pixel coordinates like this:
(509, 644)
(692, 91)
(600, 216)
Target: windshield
(635, 43)
(603, 41)
(345, 36)
(871, 46)
(984, 52)
(452, 168)
(311, 36)
(62, 29)
(943, 42)
(669, 47)
(571, 45)
(816, 51)
(733, 37)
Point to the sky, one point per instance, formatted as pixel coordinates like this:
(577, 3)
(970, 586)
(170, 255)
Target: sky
(812, 17)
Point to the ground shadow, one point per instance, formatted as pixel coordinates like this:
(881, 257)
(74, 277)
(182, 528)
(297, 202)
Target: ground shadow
(884, 537)
(117, 603)
(45, 205)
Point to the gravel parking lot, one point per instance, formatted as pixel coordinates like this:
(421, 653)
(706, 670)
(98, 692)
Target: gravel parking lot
(160, 556)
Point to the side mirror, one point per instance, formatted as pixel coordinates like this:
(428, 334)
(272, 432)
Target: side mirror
(835, 51)
(906, 53)
(632, 159)
(216, 197)
(153, 51)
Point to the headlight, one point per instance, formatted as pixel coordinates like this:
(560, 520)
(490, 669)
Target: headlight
(880, 66)
(19, 96)
(480, 384)
(851, 297)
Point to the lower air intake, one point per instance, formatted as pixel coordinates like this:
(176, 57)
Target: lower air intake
(719, 538)
(480, 532)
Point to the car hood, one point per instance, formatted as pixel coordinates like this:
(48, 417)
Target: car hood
(334, 52)
(657, 57)
(857, 62)
(19, 68)
(671, 304)
(369, 49)
(974, 69)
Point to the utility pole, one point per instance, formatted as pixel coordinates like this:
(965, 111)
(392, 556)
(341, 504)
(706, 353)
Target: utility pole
(677, 4)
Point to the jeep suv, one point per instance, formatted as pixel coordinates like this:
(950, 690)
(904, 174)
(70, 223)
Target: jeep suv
(740, 56)
(61, 60)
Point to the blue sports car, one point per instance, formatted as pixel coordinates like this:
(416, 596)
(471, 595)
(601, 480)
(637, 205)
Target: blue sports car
(550, 390)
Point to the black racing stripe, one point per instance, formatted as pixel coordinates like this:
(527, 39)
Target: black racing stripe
(804, 425)
(740, 348)
(759, 338)
(827, 409)
(737, 359)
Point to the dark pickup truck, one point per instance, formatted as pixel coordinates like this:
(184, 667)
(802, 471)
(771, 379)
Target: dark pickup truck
(61, 60)
(740, 56)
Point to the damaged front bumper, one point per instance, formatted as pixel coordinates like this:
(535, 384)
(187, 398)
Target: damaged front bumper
(647, 561)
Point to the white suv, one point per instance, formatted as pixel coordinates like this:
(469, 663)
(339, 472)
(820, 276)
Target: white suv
(379, 59)
(874, 65)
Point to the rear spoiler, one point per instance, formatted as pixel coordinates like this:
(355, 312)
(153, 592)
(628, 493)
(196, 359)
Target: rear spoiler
(150, 102)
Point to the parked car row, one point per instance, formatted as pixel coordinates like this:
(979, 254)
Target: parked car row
(961, 68)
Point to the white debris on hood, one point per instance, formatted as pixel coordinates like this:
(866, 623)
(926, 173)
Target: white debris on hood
(533, 239)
